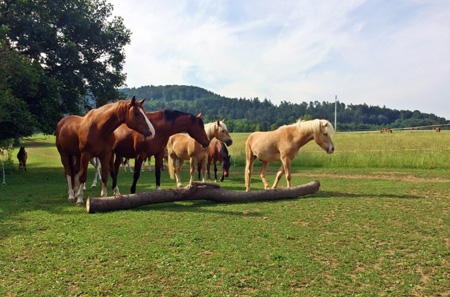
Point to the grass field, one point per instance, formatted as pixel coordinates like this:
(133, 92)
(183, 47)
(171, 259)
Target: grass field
(379, 226)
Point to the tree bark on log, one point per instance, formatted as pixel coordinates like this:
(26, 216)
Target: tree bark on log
(196, 191)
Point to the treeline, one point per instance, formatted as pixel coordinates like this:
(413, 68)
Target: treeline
(246, 115)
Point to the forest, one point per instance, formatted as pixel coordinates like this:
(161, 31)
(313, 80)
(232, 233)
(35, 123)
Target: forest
(254, 114)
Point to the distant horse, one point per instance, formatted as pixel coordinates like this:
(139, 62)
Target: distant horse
(438, 129)
(181, 147)
(283, 145)
(22, 156)
(387, 130)
(96, 163)
(130, 144)
(79, 139)
(217, 153)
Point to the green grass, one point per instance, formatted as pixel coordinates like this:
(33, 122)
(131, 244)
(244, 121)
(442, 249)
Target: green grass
(369, 231)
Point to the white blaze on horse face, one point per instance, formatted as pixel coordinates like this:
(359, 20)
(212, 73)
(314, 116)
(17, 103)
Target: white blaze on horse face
(150, 126)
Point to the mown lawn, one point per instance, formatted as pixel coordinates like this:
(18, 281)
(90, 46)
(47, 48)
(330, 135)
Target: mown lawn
(369, 231)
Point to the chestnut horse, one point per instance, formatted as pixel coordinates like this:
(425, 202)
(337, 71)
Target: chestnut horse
(130, 144)
(181, 147)
(79, 139)
(22, 156)
(283, 145)
(217, 153)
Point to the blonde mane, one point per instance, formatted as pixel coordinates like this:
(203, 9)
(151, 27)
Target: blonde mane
(314, 126)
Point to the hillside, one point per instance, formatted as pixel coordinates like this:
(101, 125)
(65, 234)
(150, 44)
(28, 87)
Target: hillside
(245, 115)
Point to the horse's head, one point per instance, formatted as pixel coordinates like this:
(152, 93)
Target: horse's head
(137, 120)
(323, 136)
(226, 163)
(197, 131)
(221, 132)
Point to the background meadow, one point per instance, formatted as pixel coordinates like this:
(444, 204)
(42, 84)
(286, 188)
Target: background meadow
(378, 226)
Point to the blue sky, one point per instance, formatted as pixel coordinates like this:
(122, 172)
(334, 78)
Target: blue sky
(387, 53)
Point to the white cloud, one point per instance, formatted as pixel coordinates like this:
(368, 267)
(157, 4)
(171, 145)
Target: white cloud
(381, 53)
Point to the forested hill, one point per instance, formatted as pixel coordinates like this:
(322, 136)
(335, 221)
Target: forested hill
(245, 115)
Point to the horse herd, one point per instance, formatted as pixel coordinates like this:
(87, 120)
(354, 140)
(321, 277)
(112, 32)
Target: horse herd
(125, 130)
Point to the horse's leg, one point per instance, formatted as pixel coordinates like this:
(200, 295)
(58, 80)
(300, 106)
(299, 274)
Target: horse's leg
(279, 175)
(148, 162)
(68, 171)
(192, 170)
(287, 169)
(158, 166)
(138, 162)
(109, 160)
(204, 169)
(76, 175)
(248, 170)
(208, 166)
(199, 168)
(215, 171)
(84, 162)
(263, 174)
(178, 171)
(97, 172)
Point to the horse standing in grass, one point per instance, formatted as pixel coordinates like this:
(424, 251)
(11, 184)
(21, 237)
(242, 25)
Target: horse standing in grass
(283, 145)
(79, 139)
(22, 156)
(181, 147)
(217, 153)
(130, 144)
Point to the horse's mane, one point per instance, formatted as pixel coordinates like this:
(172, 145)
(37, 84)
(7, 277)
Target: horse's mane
(314, 126)
(171, 115)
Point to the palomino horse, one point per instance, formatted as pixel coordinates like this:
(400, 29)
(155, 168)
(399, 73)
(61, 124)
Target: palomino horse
(387, 130)
(283, 145)
(79, 139)
(217, 153)
(181, 147)
(130, 144)
(22, 156)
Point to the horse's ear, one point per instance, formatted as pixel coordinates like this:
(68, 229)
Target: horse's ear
(142, 101)
(218, 123)
(223, 121)
(199, 115)
(133, 101)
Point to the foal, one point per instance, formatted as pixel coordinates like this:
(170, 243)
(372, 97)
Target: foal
(181, 147)
(283, 145)
(217, 153)
(22, 156)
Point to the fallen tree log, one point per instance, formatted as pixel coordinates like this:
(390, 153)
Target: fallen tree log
(196, 191)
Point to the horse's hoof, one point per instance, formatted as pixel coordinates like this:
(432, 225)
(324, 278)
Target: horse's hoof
(93, 186)
(80, 204)
(71, 200)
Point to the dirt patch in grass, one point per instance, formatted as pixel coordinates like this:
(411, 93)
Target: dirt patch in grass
(404, 177)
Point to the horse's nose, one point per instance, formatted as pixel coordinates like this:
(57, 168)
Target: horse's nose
(228, 142)
(148, 134)
(331, 150)
(205, 144)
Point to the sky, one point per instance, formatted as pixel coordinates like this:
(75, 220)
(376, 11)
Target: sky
(391, 53)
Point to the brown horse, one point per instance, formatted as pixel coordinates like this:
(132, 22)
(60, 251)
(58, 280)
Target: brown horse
(130, 144)
(438, 129)
(79, 139)
(283, 145)
(181, 147)
(217, 153)
(22, 156)
(387, 130)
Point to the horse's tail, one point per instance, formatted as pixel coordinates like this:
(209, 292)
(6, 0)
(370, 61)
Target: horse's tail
(170, 162)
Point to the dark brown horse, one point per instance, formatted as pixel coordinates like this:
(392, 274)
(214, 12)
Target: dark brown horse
(22, 157)
(438, 129)
(130, 144)
(79, 139)
(217, 153)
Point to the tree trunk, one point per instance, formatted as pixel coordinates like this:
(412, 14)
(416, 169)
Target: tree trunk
(196, 191)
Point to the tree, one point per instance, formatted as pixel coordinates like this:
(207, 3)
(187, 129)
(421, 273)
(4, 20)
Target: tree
(67, 50)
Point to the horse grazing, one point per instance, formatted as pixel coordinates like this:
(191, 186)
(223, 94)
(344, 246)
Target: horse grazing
(387, 130)
(283, 145)
(79, 139)
(217, 153)
(22, 156)
(181, 147)
(130, 144)
(438, 129)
